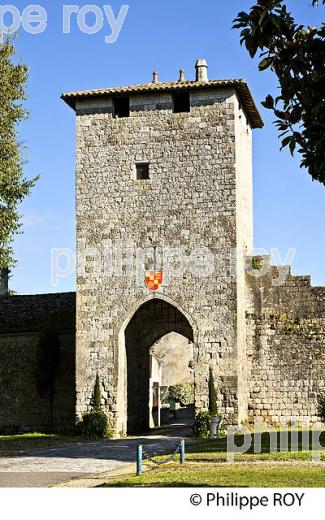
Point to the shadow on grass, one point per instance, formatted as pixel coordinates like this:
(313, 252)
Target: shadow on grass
(279, 442)
(164, 485)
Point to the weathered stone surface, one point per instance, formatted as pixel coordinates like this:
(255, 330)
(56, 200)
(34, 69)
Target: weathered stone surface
(21, 321)
(286, 347)
(199, 196)
(263, 335)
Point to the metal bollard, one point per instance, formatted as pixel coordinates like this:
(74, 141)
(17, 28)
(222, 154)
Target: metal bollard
(182, 452)
(139, 460)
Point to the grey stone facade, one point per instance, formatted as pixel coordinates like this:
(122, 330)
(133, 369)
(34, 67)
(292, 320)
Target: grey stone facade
(264, 340)
(198, 197)
(285, 346)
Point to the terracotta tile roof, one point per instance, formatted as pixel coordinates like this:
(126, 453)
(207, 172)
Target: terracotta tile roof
(27, 313)
(238, 84)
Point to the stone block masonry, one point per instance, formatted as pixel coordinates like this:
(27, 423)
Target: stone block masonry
(189, 202)
(286, 347)
(22, 409)
(198, 195)
(167, 166)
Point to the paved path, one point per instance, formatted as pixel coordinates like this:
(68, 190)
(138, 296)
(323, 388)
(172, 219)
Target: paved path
(41, 468)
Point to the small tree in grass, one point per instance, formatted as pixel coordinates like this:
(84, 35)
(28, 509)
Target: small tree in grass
(201, 427)
(48, 361)
(212, 395)
(95, 423)
(321, 407)
(97, 397)
(204, 420)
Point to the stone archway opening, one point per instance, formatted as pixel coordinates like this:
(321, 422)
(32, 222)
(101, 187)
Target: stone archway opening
(153, 321)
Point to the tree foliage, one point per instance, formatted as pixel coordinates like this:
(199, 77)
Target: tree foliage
(182, 393)
(212, 395)
(48, 362)
(321, 407)
(201, 426)
(95, 425)
(48, 359)
(296, 54)
(97, 397)
(13, 186)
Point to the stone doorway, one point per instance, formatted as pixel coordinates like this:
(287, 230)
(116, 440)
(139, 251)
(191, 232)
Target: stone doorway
(152, 321)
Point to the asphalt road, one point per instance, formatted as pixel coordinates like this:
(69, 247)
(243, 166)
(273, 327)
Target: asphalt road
(49, 466)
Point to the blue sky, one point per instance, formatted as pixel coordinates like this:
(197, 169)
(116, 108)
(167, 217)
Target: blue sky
(163, 35)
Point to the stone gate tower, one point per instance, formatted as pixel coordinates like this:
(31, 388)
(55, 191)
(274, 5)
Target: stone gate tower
(165, 165)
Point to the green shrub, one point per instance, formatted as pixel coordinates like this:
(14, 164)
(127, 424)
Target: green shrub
(201, 428)
(97, 396)
(212, 395)
(182, 393)
(321, 407)
(47, 365)
(257, 263)
(48, 359)
(95, 425)
(78, 429)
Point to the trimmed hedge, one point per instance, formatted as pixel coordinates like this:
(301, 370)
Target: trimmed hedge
(95, 425)
(201, 427)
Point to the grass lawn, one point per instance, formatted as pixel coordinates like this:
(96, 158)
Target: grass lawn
(205, 466)
(230, 475)
(13, 445)
(270, 448)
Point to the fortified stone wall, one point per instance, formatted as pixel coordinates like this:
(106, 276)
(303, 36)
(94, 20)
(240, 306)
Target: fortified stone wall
(21, 407)
(286, 345)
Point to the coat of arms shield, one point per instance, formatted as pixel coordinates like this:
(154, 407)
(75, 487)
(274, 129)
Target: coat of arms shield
(154, 280)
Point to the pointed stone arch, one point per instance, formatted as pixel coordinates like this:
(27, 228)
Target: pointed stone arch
(152, 319)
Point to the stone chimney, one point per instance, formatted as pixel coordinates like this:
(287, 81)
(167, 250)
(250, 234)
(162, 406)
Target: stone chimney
(4, 278)
(155, 77)
(182, 75)
(201, 70)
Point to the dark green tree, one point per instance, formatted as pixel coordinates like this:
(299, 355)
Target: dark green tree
(97, 397)
(321, 407)
(13, 186)
(48, 360)
(212, 395)
(296, 55)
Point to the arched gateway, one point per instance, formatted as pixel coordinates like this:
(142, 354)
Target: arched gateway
(153, 320)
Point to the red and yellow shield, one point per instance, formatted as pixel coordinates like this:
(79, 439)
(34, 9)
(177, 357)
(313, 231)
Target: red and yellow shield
(154, 280)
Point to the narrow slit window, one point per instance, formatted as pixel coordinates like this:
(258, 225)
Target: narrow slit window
(143, 173)
(121, 107)
(181, 102)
